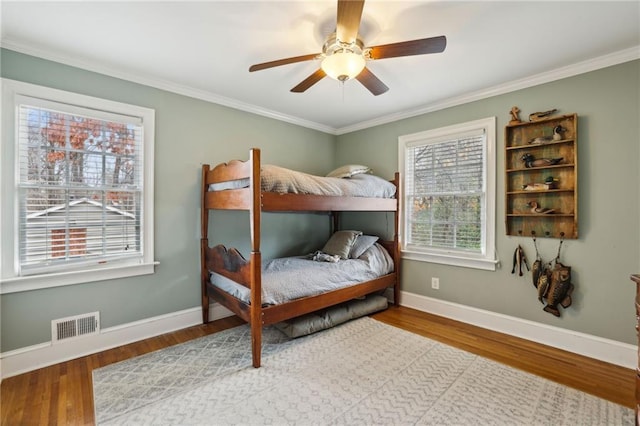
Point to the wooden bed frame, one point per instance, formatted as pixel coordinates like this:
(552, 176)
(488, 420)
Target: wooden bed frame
(231, 264)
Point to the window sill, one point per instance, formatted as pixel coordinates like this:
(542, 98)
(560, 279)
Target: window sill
(36, 282)
(452, 260)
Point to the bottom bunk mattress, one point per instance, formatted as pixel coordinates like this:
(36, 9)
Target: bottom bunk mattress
(332, 316)
(290, 278)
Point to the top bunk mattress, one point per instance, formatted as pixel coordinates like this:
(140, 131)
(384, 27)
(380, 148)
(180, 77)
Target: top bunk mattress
(282, 180)
(290, 278)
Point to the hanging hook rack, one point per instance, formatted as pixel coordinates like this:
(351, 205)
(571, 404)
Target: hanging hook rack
(547, 234)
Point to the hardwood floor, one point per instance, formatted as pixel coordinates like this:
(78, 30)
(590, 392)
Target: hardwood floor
(62, 394)
(607, 381)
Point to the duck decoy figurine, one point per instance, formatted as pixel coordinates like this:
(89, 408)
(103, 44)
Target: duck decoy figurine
(536, 209)
(557, 133)
(530, 161)
(550, 180)
(549, 183)
(540, 115)
(557, 136)
(535, 186)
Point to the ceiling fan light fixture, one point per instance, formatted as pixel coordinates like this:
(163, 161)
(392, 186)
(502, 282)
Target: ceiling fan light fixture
(344, 65)
(344, 55)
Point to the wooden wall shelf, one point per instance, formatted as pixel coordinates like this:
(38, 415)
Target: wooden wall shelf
(561, 196)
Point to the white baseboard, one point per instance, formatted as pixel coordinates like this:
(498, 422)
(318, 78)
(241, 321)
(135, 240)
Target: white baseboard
(45, 354)
(611, 351)
(42, 355)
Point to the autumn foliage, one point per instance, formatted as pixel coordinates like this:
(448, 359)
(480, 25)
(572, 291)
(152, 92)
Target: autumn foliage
(65, 143)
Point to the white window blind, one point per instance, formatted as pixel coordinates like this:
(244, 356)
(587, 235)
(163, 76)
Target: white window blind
(444, 193)
(80, 186)
(448, 178)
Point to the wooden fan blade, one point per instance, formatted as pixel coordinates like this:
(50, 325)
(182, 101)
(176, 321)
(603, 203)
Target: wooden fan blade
(309, 81)
(409, 48)
(371, 82)
(349, 16)
(265, 65)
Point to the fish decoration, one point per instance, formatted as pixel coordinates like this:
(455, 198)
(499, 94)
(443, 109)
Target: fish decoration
(536, 268)
(553, 285)
(519, 259)
(543, 284)
(536, 271)
(560, 289)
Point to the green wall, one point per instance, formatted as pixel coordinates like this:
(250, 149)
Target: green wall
(189, 132)
(608, 250)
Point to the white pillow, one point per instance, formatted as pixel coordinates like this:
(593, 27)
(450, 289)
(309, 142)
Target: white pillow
(349, 170)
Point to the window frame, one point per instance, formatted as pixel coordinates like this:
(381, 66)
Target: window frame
(485, 260)
(10, 278)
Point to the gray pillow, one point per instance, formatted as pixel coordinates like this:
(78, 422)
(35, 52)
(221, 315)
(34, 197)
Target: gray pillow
(362, 244)
(340, 243)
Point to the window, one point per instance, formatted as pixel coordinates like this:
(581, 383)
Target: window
(448, 212)
(77, 180)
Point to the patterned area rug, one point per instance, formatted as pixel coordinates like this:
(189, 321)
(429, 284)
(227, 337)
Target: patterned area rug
(363, 372)
(128, 385)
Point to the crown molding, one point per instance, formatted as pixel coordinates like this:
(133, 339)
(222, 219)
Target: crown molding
(163, 85)
(615, 58)
(608, 60)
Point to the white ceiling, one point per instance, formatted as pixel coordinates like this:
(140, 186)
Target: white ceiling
(204, 49)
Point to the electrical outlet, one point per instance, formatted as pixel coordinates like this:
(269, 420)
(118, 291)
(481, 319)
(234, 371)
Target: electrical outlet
(435, 283)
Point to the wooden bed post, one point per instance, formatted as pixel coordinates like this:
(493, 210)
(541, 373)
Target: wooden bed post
(204, 244)
(335, 224)
(256, 257)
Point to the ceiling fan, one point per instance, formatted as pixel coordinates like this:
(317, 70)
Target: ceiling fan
(344, 55)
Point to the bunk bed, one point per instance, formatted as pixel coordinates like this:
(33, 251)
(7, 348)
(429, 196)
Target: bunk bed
(237, 283)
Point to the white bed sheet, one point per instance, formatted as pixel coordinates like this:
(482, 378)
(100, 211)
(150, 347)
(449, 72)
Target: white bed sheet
(282, 180)
(291, 278)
